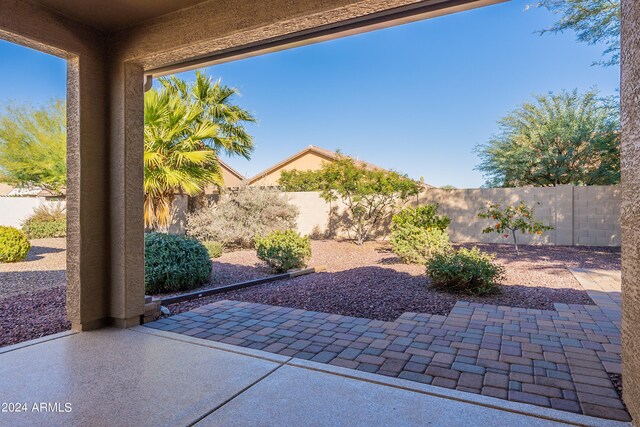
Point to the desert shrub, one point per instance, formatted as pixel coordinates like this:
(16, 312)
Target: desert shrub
(215, 249)
(46, 221)
(417, 234)
(240, 216)
(422, 216)
(174, 263)
(468, 271)
(14, 245)
(284, 250)
(415, 245)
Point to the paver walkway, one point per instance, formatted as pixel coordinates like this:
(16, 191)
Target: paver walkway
(555, 358)
(604, 288)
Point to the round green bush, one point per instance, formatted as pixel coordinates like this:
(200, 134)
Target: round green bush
(284, 250)
(417, 234)
(468, 271)
(14, 245)
(414, 245)
(174, 263)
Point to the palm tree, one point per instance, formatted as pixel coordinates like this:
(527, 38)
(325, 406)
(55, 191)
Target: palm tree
(187, 126)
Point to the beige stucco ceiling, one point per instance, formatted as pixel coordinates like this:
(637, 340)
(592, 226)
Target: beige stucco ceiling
(109, 15)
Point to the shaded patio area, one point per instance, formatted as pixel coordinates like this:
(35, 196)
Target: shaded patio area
(141, 376)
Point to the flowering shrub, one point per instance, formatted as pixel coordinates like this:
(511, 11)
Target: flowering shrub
(511, 219)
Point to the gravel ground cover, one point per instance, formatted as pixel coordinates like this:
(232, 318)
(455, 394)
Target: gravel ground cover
(368, 281)
(32, 293)
(32, 314)
(363, 281)
(44, 268)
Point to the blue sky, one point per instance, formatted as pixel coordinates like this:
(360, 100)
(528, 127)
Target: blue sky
(416, 98)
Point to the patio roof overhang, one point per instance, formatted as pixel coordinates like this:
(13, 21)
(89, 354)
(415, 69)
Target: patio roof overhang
(109, 49)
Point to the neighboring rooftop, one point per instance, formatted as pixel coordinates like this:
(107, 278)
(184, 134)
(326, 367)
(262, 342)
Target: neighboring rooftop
(309, 158)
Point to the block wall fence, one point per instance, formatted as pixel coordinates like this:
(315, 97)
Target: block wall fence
(580, 215)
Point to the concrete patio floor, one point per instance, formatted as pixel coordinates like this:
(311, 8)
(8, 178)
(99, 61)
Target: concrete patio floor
(142, 377)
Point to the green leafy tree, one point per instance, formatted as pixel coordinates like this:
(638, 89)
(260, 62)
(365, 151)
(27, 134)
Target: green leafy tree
(368, 194)
(187, 127)
(511, 219)
(33, 146)
(566, 138)
(296, 180)
(594, 21)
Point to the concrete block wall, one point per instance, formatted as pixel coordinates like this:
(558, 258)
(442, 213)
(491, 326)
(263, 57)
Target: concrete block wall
(463, 206)
(580, 215)
(597, 215)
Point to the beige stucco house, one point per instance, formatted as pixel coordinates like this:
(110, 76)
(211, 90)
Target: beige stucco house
(230, 176)
(309, 159)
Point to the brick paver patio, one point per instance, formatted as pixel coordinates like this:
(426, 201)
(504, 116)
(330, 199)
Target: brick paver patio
(560, 359)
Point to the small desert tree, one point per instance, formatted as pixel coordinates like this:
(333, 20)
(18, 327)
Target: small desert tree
(369, 194)
(33, 146)
(511, 219)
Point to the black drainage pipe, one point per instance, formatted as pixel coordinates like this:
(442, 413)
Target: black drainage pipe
(208, 292)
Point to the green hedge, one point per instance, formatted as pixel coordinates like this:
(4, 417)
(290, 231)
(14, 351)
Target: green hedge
(14, 245)
(174, 263)
(284, 250)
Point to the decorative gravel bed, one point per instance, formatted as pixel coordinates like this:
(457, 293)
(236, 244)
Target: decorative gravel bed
(364, 281)
(32, 293)
(45, 267)
(32, 315)
(368, 281)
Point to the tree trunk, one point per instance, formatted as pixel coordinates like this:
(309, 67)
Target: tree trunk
(515, 241)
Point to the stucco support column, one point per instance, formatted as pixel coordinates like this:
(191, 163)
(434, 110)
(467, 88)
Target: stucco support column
(126, 193)
(87, 201)
(630, 92)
